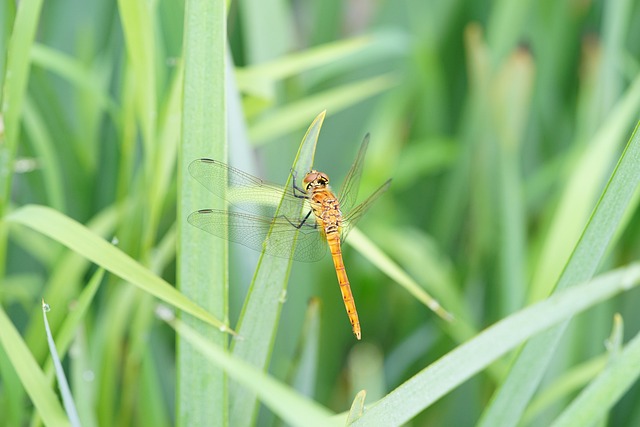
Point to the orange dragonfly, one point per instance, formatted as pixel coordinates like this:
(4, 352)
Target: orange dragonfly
(313, 215)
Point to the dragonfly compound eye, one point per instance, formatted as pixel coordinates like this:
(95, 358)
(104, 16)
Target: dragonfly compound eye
(315, 179)
(312, 179)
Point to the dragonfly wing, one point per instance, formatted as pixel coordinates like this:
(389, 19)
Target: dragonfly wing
(243, 190)
(310, 246)
(354, 216)
(349, 190)
(253, 231)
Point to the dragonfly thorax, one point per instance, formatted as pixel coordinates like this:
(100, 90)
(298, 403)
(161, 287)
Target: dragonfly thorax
(315, 179)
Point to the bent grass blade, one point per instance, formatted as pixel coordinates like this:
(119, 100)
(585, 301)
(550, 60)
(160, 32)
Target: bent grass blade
(81, 240)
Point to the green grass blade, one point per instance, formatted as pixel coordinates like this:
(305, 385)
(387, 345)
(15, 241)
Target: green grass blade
(138, 27)
(70, 268)
(442, 376)
(31, 376)
(73, 320)
(615, 341)
(280, 398)
(291, 117)
(63, 384)
(581, 191)
(14, 89)
(202, 389)
(261, 311)
(253, 78)
(47, 156)
(79, 239)
(357, 407)
(506, 26)
(421, 258)
(84, 390)
(606, 390)
(374, 254)
(13, 406)
(7, 16)
(566, 385)
(513, 87)
(71, 70)
(266, 28)
(513, 396)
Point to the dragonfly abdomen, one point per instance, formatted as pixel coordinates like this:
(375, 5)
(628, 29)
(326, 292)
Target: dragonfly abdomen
(327, 211)
(333, 239)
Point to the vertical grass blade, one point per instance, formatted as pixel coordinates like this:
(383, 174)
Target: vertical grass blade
(202, 259)
(7, 15)
(259, 318)
(13, 96)
(266, 28)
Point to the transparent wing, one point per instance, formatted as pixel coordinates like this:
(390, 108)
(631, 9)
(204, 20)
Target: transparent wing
(354, 216)
(253, 231)
(349, 191)
(245, 191)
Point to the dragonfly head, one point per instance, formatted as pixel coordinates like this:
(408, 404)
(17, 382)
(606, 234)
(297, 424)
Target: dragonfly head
(315, 179)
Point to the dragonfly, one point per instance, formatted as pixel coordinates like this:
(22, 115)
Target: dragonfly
(310, 219)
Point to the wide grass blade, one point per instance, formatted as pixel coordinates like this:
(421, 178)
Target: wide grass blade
(202, 394)
(261, 311)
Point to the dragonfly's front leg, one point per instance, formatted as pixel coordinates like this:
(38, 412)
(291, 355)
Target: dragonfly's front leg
(301, 193)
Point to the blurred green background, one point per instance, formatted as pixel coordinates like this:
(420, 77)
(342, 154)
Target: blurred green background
(499, 122)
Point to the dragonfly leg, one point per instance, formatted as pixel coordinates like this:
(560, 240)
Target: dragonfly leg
(302, 223)
(301, 193)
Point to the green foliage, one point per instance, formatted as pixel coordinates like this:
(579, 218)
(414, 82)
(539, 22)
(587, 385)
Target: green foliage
(489, 277)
